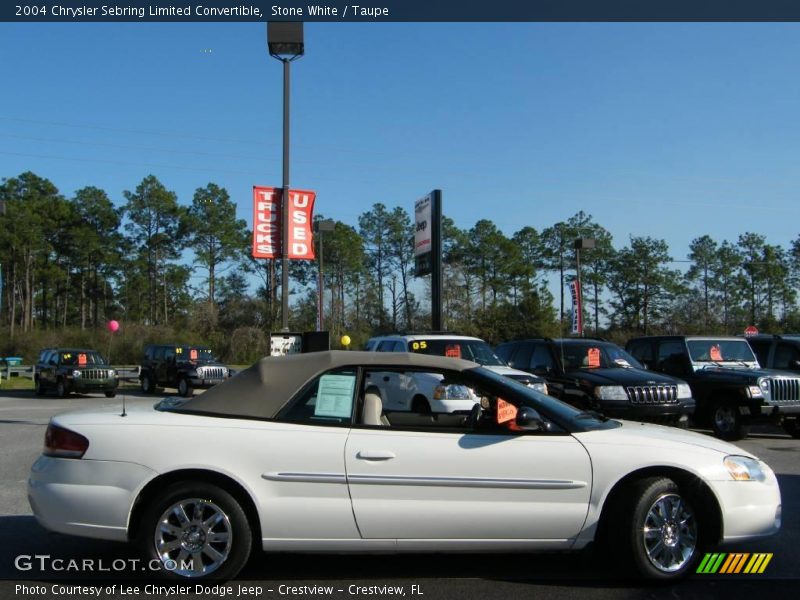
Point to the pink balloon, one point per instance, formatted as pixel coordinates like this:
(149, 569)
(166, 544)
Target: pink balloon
(113, 326)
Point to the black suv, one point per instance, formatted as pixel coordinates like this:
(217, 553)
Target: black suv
(181, 367)
(779, 352)
(598, 375)
(68, 370)
(730, 387)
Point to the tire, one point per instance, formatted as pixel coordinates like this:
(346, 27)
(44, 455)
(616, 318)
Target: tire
(185, 388)
(656, 530)
(61, 389)
(171, 522)
(792, 427)
(38, 387)
(111, 394)
(727, 422)
(148, 385)
(421, 405)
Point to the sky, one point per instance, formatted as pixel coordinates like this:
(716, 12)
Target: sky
(664, 130)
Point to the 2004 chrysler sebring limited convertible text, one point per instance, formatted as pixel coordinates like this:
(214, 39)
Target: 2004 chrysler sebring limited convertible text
(298, 452)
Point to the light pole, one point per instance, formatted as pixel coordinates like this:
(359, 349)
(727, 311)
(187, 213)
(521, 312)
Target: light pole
(581, 244)
(326, 225)
(285, 43)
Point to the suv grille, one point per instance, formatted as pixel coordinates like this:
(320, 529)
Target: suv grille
(653, 394)
(784, 391)
(212, 372)
(95, 374)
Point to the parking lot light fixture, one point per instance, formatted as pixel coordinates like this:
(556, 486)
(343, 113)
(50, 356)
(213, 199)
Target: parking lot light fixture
(285, 43)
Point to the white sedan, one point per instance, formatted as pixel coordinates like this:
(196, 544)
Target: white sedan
(296, 452)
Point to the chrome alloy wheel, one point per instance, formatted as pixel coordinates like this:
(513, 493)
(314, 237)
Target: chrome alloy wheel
(193, 537)
(670, 533)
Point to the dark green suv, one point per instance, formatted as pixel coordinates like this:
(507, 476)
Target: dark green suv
(181, 367)
(68, 370)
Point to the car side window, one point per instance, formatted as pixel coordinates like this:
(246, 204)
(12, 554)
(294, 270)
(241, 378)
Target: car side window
(642, 351)
(786, 357)
(328, 400)
(761, 350)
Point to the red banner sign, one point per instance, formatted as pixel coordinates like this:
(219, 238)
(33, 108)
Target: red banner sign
(577, 308)
(267, 223)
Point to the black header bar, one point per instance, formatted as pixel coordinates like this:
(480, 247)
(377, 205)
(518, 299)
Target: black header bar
(402, 10)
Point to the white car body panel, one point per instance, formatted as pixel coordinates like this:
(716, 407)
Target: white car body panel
(494, 492)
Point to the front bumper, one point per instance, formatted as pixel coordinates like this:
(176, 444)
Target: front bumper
(90, 498)
(82, 385)
(750, 509)
(198, 382)
(624, 409)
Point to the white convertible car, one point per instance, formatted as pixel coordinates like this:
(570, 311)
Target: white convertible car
(297, 453)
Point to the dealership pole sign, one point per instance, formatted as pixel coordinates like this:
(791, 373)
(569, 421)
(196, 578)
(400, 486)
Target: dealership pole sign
(428, 249)
(267, 223)
(577, 308)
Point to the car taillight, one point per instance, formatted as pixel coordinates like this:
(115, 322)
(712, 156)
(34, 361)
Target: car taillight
(63, 443)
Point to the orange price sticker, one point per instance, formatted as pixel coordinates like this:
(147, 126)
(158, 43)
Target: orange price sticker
(452, 351)
(715, 353)
(505, 411)
(594, 358)
(193, 354)
(81, 359)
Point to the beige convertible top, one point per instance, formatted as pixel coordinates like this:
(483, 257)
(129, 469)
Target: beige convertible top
(262, 389)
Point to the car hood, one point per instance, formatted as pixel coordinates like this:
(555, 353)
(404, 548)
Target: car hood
(622, 376)
(510, 372)
(745, 374)
(634, 434)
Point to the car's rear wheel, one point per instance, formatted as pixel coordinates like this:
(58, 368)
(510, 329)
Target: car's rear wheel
(196, 530)
(657, 529)
(148, 385)
(727, 421)
(110, 394)
(38, 387)
(792, 427)
(185, 388)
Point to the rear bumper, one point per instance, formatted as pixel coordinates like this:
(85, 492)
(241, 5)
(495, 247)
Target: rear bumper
(89, 498)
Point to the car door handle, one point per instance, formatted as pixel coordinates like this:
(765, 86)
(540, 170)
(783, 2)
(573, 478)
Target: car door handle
(375, 455)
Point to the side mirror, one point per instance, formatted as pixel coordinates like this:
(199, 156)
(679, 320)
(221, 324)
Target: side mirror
(530, 420)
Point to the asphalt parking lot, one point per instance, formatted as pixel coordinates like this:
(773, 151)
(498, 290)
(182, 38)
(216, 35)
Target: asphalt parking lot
(23, 419)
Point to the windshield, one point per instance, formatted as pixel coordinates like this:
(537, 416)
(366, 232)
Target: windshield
(720, 350)
(81, 359)
(569, 416)
(475, 350)
(595, 355)
(195, 353)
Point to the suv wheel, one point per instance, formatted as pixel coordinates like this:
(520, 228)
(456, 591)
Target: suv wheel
(185, 388)
(148, 385)
(38, 387)
(792, 427)
(727, 422)
(61, 389)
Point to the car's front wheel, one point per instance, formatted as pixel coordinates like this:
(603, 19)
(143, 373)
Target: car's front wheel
(657, 529)
(727, 421)
(196, 530)
(185, 388)
(792, 427)
(110, 394)
(148, 385)
(38, 387)
(62, 391)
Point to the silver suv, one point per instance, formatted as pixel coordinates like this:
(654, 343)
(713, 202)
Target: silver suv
(426, 392)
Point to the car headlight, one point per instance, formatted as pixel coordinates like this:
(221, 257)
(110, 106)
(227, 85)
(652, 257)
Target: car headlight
(743, 468)
(76, 373)
(610, 392)
(684, 391)
(112, 373)
(539, 386)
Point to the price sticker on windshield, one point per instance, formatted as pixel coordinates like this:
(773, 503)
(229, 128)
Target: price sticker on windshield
(193, 354)
(452, 351)
(505, 411)
(81, 359)
(715, 353)
(594, 358)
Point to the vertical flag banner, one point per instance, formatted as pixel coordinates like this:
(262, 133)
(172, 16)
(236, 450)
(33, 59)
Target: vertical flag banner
(577, 308)
(267, 223)
(301, 215)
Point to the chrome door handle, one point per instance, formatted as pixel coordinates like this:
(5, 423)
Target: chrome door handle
(375, 455)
